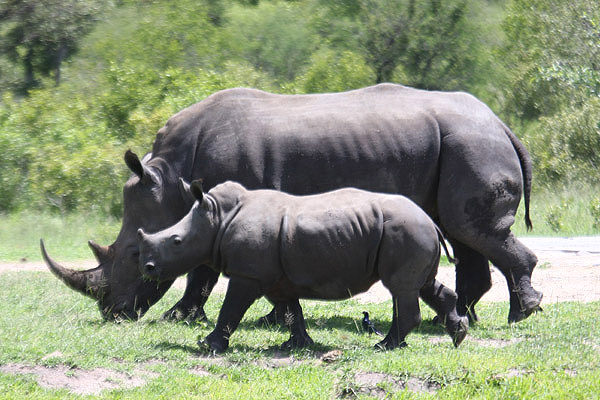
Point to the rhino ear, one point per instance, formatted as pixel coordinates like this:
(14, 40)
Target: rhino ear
(196, 189)
(134, 163)
(186, 191)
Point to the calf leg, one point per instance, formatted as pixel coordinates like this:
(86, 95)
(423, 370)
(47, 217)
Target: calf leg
(407, 315)
(200, 282)
(473, 279)
(241, 293)
(443, 301)
(294, 319)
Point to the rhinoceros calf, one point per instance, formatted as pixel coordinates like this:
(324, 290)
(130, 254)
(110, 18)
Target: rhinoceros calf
(329, 246)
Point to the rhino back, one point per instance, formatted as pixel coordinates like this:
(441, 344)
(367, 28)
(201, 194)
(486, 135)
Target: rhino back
(384, 138)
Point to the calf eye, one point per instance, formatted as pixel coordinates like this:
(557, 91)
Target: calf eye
(176, 240)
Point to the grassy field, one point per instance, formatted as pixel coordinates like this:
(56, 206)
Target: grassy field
(53, 343)
(52, 340)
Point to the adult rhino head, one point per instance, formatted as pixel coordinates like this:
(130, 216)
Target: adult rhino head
(152, 202)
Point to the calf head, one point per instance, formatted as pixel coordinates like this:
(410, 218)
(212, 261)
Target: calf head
(174, 251)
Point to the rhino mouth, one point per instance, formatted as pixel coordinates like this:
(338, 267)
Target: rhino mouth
(93, 283)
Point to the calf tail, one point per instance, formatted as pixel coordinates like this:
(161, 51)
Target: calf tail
(442, 240)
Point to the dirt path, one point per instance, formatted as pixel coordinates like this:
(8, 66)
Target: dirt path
(568, 270)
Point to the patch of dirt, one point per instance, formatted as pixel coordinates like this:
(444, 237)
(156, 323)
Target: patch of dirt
(80, 381)
(380, 385)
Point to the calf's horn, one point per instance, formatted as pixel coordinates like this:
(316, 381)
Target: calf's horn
(87, 282)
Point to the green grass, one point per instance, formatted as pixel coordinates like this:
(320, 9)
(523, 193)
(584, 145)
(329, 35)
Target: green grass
(554, 354)
(572, 210)
(65, 236)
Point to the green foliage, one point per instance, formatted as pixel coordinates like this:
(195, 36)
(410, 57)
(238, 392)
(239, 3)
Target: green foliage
(273, 37)
(595, 212)
(553, 54)
(333, 72)
(41, 34)
(142, 61)
(566, 146)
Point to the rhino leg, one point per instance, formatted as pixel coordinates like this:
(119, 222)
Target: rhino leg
(443, 301)
(275, 317)
(473, 279)
(406, 316)
(241, 293)
(294, 319)
(200, 282)
(524, 299)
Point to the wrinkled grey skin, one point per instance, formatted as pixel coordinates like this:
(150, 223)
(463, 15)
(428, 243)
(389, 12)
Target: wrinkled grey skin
(445, 151)
(329, 246)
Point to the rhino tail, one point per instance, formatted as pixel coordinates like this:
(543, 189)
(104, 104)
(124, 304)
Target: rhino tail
(442, 240)
(526, 169)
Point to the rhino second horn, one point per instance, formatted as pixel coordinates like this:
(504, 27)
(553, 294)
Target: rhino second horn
(102, 253)
(86, 282)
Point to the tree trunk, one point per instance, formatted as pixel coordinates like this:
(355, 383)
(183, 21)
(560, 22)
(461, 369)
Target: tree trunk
(28, 66)
(60, 56)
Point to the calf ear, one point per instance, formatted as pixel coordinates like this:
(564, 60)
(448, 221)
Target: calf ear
(196, 189)
(186, 191)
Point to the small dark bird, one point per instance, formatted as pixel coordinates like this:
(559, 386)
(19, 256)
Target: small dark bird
(368, 325)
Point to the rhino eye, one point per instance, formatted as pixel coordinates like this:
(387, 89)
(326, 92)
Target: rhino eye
(176, 240)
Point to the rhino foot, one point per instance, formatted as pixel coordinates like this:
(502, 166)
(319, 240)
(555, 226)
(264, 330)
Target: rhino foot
(214, 343)
(390, 344)
(179, 312)
(297, 342)
(528, 305)
(458, 330)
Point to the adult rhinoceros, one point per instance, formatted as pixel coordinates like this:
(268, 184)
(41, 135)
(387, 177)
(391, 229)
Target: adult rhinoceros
(448, 152)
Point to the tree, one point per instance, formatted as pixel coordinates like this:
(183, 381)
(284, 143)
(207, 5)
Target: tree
(553, 52)
(41, 34)
(431, 43)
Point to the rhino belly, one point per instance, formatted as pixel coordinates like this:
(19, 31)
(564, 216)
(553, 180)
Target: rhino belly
(330, 245)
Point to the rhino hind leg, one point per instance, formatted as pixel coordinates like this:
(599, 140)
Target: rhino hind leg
(294, 319)
(406, 316)
(241, 293)
(200, 283)
(473, 279)
(443, 301)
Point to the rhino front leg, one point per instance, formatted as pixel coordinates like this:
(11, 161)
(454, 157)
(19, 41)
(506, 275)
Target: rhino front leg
(294, 319)
(241, 293)
(200, 283)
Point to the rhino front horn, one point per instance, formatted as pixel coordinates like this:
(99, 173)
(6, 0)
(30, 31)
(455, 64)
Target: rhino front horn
(86, 282)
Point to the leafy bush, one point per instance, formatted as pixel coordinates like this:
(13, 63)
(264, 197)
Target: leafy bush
(567, 146)
(332, 72)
